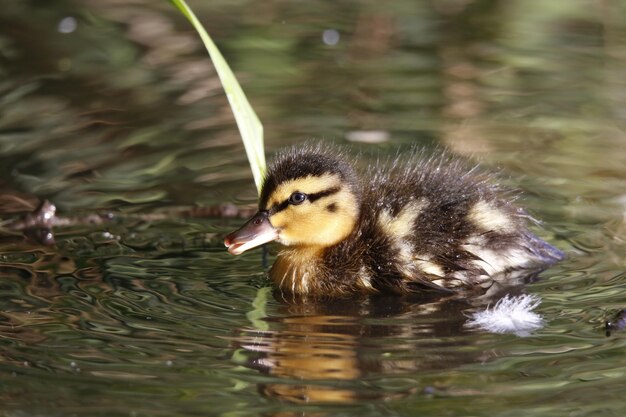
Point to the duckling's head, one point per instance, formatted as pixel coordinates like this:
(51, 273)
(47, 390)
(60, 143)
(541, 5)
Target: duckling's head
(309, 199)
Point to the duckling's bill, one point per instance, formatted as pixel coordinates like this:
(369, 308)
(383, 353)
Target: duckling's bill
(257, 231)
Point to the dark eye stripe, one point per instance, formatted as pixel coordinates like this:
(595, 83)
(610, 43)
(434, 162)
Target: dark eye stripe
(279, 207)
(325, 193)
(311, 197)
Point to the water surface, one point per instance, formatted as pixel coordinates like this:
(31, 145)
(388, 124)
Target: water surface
(113, 107)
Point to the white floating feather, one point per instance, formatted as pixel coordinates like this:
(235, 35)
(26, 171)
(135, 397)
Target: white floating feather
(510, 315)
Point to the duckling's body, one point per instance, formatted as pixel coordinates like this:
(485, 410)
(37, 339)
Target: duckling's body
(401, 227)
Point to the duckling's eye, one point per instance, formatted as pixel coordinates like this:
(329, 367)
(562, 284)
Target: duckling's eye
(297, 198)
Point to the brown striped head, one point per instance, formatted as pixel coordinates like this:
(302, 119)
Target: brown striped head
(309, 199)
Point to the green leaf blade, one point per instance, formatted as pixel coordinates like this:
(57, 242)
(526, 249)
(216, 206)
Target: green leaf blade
(249, 125)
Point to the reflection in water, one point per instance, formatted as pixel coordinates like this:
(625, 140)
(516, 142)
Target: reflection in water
(323, 352)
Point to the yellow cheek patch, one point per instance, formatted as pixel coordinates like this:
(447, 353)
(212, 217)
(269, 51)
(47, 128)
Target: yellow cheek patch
(489, 218)
(312, 223)
(307, 185)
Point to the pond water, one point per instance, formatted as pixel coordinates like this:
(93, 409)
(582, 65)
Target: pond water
(113, 107)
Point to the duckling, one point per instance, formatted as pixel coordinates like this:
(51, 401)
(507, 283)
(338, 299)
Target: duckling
(414, 223)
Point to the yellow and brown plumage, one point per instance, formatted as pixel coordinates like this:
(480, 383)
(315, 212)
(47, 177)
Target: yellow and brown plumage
(404, 226)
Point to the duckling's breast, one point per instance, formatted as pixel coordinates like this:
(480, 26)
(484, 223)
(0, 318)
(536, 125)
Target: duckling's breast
(297, 270)
(336, 271)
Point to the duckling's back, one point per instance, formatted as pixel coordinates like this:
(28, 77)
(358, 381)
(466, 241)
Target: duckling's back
(432, 222)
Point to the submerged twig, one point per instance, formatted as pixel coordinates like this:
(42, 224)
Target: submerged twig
(38, 225)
